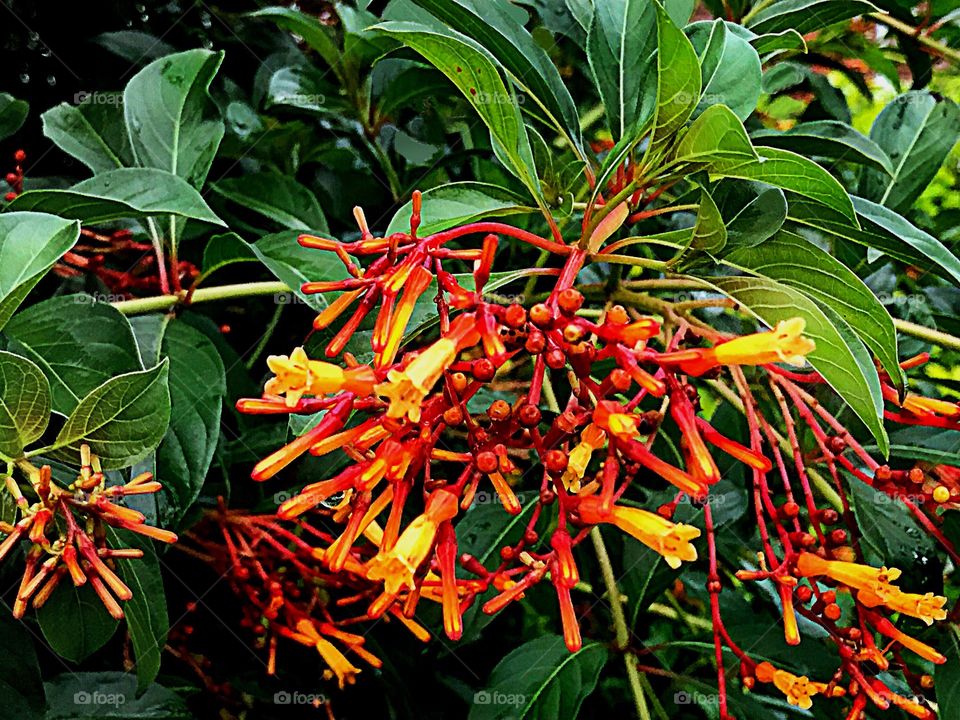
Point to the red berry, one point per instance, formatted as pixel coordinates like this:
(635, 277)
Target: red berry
(20, 156)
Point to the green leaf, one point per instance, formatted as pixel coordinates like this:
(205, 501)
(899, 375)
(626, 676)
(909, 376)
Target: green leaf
(947, 677)
(889, 533)
(717, 134)
(146, 611)
(621, 44)
(753, 212)
(113, 696)
(729, 66)
(540, 679)
(645, 576)
(74, 622)
(225, 249)
(828, 139)
(882, 229)
(791, 260)
(709, 233)
(806, 16)
(21, 687)
(198, 385)
(172, 122)
(93, 132)
(917, 131)
(24, 404)
(782, 168)
(839, 357)
(121, 193)
(278, 197)
(678, 80)
(457, 204)
(78, 343)
(315, 34)
(121, 420)
(491, 23)
(30, 244)
(472, 70)
(13, 113)
(294, 265)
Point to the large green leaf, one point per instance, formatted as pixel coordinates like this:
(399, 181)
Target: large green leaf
(198, 385)
(678, 80)
(917, 131)
(121, 193)
(280, 198)
(492, 24)
(172, 121)
(473, 71)
(882, 229)
(294, 265)
(30, 243)
(121, 420)
(716, 135)
(146, 611)
(729, 66)
(793, 261)
(753, 212)
(889, 533)
(782, 168)
(12, 114)
(24, 404)
(806, 16)
(93, 132)
(621, 45)
(828, 139)
(709, 232)
(456, 204)
(947, 678)
(540, 679)
(840, 357)
(74, 622)
(77, 342)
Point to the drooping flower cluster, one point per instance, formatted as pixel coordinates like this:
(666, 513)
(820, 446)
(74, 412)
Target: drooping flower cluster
(285, 583)
(66, 532)
(423, 442)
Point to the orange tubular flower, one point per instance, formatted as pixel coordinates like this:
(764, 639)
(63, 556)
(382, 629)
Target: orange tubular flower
(418, 283)
(450, 598)
(885, 627)
(298, 375)
(699, 461)
(874, 587)
(799, 690)
(397, 565)
(638, 452)
(568, 616)
(405, 389)
(669, 539)
(732, 448)
(337, 662)
(785, 343)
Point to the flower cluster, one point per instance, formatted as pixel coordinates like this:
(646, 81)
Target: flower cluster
(285, 587)
(424, 436)
(66, 529)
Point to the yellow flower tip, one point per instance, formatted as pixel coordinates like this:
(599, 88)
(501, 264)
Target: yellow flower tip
(297, 375)
(926, 407)
(785, 343)
(397, 566)
(799, 690)
(671, 540)
(406, 389)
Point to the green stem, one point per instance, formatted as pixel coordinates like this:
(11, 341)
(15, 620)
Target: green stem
(936, 337)
(160, 303)
(620, 624)
(936, 46)
(265, 338)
